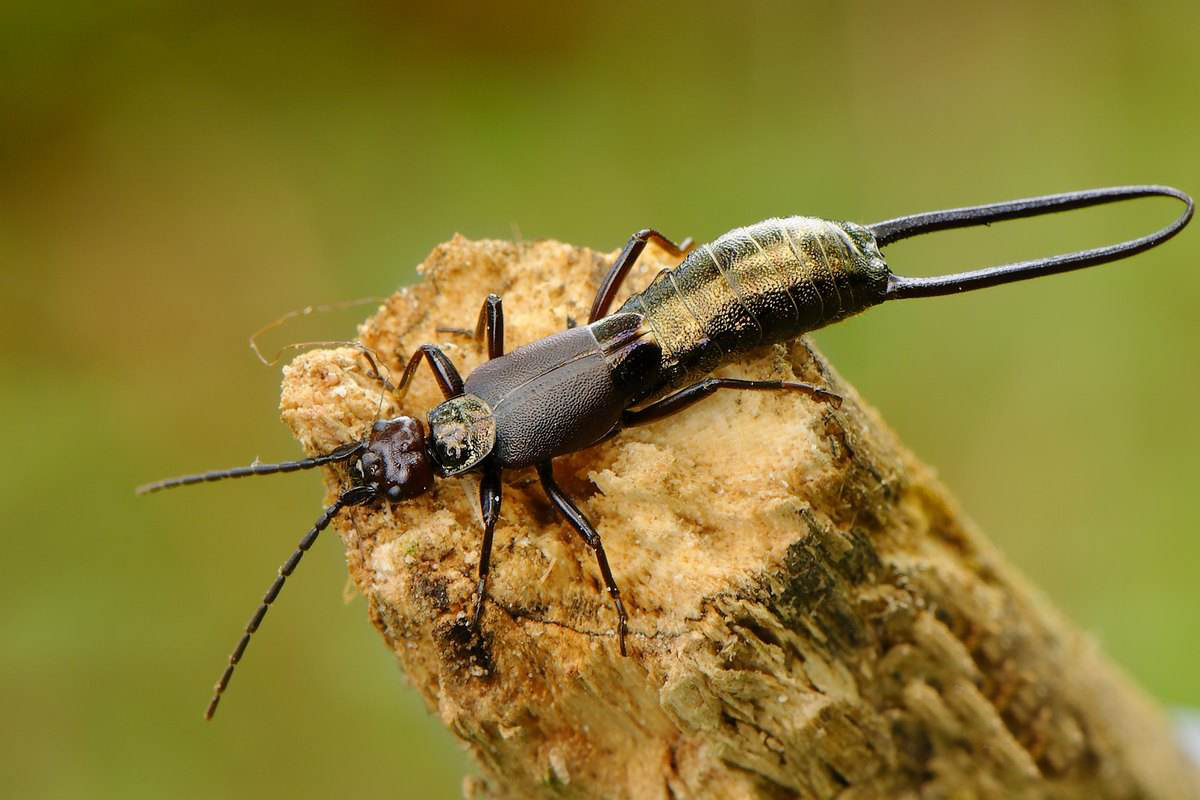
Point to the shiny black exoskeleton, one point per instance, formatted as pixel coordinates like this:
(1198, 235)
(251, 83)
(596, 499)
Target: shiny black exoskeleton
(765, 283)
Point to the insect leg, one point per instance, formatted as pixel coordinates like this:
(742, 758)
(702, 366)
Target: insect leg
(491, 320)
(680, 400)
(626, 260)
(375, 373)
(489, 505)
(581, 524)
(443, 368)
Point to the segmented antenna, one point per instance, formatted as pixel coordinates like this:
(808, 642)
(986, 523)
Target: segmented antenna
(341, 454)
(269, 597)
(352, 496)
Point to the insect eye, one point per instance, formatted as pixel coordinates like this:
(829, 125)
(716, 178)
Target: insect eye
(367, 468)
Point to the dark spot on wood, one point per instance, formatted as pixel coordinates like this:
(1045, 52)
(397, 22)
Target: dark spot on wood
(913, 747)
(466, 650)
(430, 592)
(806, 579)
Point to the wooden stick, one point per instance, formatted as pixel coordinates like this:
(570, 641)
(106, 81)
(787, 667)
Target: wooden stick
(811, 613)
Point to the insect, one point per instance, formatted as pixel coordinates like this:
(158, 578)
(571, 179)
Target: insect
(647, 360)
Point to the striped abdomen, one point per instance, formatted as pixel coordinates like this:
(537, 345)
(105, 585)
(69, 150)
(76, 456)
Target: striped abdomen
(765, 283)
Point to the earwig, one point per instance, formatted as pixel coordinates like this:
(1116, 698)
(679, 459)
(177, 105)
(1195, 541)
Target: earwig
(765, 283)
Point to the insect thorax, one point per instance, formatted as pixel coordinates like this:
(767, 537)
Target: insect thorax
(462, 433)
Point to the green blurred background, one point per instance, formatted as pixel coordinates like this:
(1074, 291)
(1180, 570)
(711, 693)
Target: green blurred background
(175, 176)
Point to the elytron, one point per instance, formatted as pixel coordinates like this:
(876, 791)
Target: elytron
(756, 285)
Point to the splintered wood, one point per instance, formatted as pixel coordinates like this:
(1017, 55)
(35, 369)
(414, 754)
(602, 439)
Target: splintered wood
(811, 613)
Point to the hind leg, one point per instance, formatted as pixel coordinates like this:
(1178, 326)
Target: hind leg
(625, 261)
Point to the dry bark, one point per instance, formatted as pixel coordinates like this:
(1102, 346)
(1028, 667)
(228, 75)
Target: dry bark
(812, 614)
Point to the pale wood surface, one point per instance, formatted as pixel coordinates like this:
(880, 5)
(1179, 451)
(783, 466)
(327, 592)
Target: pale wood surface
(812, 614)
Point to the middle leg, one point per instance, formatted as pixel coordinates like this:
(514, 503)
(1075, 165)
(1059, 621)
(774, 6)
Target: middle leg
(589, 535)
(491, 322)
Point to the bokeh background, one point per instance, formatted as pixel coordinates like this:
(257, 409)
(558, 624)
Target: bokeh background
(177, 175)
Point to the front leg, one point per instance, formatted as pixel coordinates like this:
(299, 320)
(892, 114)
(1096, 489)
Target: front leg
(589, 535)
(450, 382)
(489, 505)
